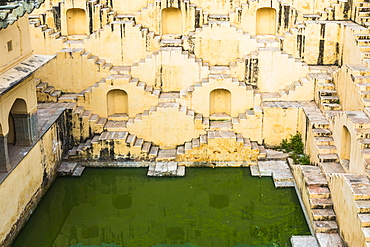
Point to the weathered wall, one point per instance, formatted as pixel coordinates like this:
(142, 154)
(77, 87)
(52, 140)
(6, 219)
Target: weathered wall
(19, 35)
(24, 91)
(346, 210)
(28, 181)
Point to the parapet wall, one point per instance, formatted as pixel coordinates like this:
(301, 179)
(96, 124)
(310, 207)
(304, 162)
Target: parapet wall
(24, 186)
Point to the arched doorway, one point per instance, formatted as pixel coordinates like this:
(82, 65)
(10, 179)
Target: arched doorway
(171, 21)
(19, 133)
(117, 102)
(76, 22)
(266, 21)
(220, 101)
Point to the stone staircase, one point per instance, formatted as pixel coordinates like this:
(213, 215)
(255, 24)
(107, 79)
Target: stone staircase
(50, 32)
(326, 96)
(324, 151)
(352, 202)
(220, 145)
(316, 197)
(360, 75)
(121, 145)
(114, 146)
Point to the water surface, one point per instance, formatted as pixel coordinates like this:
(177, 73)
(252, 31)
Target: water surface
(121, 207)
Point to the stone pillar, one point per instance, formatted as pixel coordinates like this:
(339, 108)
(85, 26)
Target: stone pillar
(25, 126)
(4, 157)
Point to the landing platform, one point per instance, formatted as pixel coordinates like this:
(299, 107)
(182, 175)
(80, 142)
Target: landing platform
(14, 76)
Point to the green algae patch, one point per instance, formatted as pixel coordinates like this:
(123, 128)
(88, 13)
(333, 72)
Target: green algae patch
(221, 207)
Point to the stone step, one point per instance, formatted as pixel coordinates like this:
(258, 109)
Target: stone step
(331, 106)
(41, 86)
(321, 203)
(329, 239)
(364, 219)
(326, 149)
(332, 157)
(323, 214)
(255, 170)
(326, 140)
(314, 176)
(327, 93)
(331, 167)
(366, 232)
(325, 226)
(78, 171)
(321, 132)
(318, 192)
(166, 155)
(146, 147)
(220, 125)
(69, 97)
(66, 168)
(49, 90)
(363, 207)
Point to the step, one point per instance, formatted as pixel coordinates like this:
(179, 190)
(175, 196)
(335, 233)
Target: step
(321, 132)
(318, 192)
(332, 157)
(325, 226)
(321, 203)
(364, 219)
(78, 171)
(323, 214)
(167, 154)
(363, 207)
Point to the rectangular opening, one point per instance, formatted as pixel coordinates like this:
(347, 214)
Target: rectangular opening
(9, 44)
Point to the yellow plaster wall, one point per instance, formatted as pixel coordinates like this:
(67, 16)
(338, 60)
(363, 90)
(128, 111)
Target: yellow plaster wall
(279, 124)
(348, 91)
(23, 184)
(346, 211)
(220, 44)
(166, 127)
(337, 122)
(242, 98)
(19, 34)
(73, 67)
(26, 90)
(170, 70)
(138, 99)
(271, 63)
(128, 43)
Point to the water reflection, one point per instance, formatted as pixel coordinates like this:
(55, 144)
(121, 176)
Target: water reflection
(122, 207)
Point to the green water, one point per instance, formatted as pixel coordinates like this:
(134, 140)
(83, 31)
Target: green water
(221, 207)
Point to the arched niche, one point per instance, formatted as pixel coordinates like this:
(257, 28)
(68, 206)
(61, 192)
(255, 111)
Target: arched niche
(76, 21)
(117, 102)
(266, 21)
(171, 21)
(220, 101)
(345, 150)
